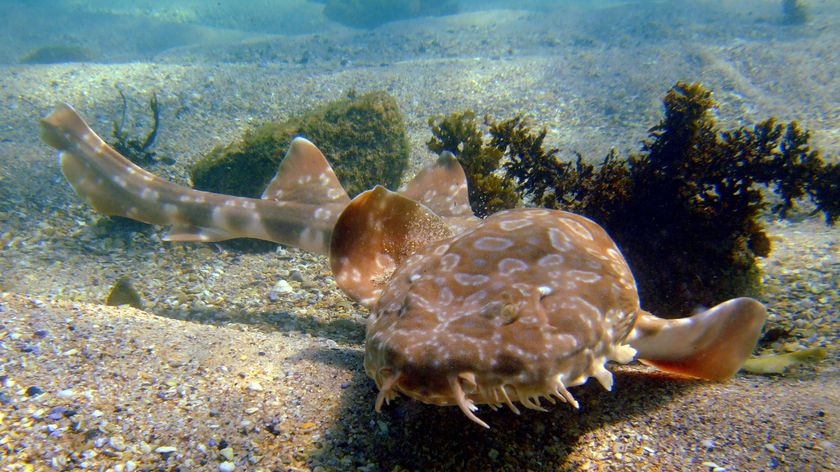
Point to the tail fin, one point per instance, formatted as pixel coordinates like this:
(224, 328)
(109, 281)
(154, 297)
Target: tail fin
(710, 345)
(96, 171)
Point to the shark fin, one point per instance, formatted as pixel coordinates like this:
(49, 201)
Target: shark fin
(442, 187)
(374, 235)
(98, 173)
(711, 345)
(184, 233)
(305, 176)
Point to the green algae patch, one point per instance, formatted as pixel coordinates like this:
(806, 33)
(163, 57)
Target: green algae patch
(779, 363)
(363, 137)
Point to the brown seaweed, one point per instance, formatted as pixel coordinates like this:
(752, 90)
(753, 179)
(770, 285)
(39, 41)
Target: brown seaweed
(686, 209)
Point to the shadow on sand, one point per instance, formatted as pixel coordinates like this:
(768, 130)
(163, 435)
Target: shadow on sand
(409, 435)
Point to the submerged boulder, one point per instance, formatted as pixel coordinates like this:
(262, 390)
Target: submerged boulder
(363, 137)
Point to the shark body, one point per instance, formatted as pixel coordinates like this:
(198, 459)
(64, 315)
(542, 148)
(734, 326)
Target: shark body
(511, 309)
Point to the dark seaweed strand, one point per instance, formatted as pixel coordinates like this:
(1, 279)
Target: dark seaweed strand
(150, 138)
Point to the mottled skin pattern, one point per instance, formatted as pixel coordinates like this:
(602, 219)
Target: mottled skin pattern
(514, 308)
(524, 305)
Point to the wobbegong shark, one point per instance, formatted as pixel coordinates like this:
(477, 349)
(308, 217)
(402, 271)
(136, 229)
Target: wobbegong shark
(512, 309)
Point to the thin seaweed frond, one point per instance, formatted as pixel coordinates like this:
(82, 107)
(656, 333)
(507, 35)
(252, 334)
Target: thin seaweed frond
(135, 149)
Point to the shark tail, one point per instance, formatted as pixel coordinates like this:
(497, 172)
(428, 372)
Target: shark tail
(107, 180)
(298, 208)
(710, 345)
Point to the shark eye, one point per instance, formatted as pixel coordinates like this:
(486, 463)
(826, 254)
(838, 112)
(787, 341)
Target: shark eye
(508, 314)
(501, 312)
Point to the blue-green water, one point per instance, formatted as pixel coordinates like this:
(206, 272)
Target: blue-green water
(593, 73)
(114, 31)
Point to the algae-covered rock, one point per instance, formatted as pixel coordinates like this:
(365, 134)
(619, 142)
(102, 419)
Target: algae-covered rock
(124, 293)
(57, 54)
(363, 137)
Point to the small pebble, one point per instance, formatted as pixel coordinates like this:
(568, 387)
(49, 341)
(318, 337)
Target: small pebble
(165, 449)
(33, 391)
(130, 466)
(116, 443)
(282, 287)
(31, 349)
(56, 413)
(255, 387)
(227, 453)
(227, 466)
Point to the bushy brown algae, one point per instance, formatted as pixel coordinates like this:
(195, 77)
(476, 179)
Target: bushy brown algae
(363, 137)
(684, 210)
(458, 133)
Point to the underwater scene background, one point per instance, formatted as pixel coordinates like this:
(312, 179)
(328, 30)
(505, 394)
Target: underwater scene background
(245, 355)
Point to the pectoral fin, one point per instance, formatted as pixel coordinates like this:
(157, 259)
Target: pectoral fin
(710, 345)
(374, 235)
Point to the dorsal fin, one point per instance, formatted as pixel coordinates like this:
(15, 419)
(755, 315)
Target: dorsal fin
(374, 235)
(442, 187)
(305, 176)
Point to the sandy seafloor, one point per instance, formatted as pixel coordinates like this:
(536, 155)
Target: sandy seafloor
(216, 370)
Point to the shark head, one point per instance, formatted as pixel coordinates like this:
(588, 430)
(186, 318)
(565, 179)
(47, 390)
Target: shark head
(522, 306)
